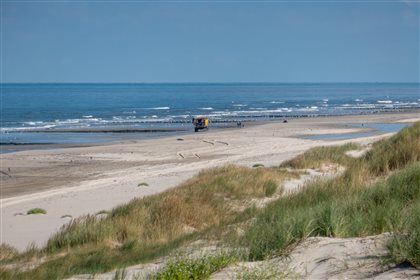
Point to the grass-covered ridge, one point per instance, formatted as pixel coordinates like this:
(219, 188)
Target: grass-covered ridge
(200, 202)
(384, 156)
(152, 226)
(329, 208)
(315, 157)
(360, 202)
(379, 192)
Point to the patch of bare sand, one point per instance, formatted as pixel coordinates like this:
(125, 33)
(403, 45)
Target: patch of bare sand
(412, 120)
(329, 258)
(357, 153)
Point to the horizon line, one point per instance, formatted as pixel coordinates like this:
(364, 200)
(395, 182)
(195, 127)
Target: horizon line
(233, 82)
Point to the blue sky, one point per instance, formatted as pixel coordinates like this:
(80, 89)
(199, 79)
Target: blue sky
(230, 41)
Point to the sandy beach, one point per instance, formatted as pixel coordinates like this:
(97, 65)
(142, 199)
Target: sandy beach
(70, 182)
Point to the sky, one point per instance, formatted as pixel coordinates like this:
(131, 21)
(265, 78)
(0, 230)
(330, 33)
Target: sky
(210, 41)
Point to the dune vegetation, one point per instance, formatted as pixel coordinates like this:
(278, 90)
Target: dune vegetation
(378, 192)
(146, 228)
(34, 211)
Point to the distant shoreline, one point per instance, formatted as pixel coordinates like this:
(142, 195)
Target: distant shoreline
(103, 130)
(99, 136)
(159, 127)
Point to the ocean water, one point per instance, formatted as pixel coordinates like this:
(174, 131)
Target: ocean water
(26, 107)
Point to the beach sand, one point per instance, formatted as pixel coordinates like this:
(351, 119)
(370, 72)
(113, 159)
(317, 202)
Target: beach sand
(84, 180)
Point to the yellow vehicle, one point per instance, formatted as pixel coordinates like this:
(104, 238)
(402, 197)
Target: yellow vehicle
(200, 123)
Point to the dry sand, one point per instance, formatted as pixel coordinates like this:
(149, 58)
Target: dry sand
(325, 258)
(83, 180)
(314, 258)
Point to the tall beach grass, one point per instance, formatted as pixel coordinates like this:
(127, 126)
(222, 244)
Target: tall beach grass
(363, 201)
(152, 226)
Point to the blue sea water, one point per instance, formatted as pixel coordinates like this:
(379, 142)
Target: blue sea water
(26, 107)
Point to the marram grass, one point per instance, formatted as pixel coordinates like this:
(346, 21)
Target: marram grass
(149, 227)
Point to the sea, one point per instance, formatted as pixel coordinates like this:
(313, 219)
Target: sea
(27, 107)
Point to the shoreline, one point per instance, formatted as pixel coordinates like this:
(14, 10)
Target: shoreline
(103, 130)
(219, 123)
(121, 134)
(84, 180)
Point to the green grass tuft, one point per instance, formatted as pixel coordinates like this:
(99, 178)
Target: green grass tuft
(405, 246)
(265, 271)
(270, 187)
(7, 252)
(36, 211)
(194, 267)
